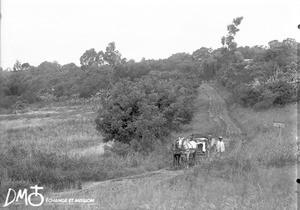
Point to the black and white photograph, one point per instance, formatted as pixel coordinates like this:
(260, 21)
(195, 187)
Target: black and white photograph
(149, 105)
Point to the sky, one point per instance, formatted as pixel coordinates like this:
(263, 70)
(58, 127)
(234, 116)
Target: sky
(34, 31)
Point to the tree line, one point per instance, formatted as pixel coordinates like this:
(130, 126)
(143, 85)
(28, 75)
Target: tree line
(146, 100)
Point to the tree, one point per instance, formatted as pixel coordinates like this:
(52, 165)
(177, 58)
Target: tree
(280, 54)
(25, 66)
(91, 58)
(113, 56)
(232, 29)
(17, 66)
(228, 52)
(145, 110)
(202, 54)
(15, 84)
(49, 67)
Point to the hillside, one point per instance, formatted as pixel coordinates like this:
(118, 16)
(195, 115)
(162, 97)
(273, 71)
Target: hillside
(118, 192)
(208, 186)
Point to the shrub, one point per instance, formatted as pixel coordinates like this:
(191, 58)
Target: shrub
(85, 92)
(59, 90)
(283, 90)
(266, 94)
(7, 102)
(247, 95)
(119, 148)
(145, 110)
(268, 98)
(29, 97)
(267, 101)
(47, 97)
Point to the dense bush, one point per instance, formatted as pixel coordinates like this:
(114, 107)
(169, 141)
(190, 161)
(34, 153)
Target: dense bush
(7, 101)
(267, 80)
(145, 110)
(29, 97)
(265, 94)
(283, 90)
(247, 96)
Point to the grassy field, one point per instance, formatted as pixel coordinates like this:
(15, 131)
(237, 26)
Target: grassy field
(67, 130)
(59, 148)
(260, 175)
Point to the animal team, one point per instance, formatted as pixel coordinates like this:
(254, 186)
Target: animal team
(189, 148)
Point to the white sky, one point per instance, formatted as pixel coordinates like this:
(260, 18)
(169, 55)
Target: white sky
(34, 31)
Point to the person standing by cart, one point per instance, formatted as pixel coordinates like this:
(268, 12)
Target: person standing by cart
(220, 145)
(212, 143)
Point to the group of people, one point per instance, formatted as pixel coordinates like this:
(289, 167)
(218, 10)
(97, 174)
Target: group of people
(213, 145)
(185, 148)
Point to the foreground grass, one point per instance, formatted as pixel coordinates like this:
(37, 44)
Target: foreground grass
(223, 184)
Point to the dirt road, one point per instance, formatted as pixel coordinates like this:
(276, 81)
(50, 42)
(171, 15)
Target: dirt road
(218, 113)
(222, 122)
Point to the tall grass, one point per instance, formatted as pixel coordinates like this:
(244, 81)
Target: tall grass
(264, 142)
(61, 150)
(215, 185)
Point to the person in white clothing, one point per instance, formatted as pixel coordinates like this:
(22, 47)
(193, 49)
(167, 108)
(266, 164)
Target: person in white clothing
(220, 145)
(212, 142)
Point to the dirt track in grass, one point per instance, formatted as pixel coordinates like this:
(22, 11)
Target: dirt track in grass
(211, 116)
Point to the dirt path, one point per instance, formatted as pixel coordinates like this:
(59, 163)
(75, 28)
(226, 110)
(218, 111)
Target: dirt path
(118, 190)
(222, 122)
(218, 113)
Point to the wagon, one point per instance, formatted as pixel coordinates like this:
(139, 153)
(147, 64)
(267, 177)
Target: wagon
(202, 150)
(196, 155)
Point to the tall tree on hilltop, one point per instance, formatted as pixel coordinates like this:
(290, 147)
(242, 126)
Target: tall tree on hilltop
(229, 56)
(228, 42)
